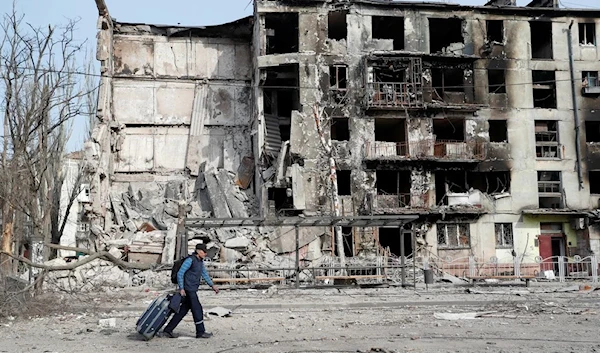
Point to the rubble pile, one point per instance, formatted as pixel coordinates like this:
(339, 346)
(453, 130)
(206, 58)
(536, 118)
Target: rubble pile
(142, 228)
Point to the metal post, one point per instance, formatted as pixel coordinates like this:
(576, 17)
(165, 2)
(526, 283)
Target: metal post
(414, 245)
(402, 257)
(297, 256)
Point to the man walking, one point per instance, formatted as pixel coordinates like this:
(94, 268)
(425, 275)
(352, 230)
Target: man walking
(188, 280)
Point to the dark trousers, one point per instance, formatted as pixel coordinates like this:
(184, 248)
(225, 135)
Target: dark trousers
(190, 301)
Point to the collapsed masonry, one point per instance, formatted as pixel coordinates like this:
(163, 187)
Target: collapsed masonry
(413, 102)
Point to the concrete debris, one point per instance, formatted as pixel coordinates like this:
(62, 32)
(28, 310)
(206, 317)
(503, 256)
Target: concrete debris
(105, 323)
(461, 316)
(446, 277)
(238, 243)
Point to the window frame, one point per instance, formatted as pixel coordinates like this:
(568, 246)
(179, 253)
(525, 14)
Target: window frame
(500, 241)
(446, 245)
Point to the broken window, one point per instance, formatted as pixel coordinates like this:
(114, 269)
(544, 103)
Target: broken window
(495, 30)
(448, 85)
(449, 129)
(589, 82)
(587, 33)
(393, 188)
(489, 182)
(453, 235)
(280, 200)
(450, 181)
(446, 35)
(504, 235)
(592, 131)
(387, 27)
(391, 238)
(549, 189)
(348, 237)
(546, 139)
(497, 81)
(340, 130)
(396, 82)
(338, 82)
(344, 182)
(541, 39)
(337, 28)
(544, 89)
(594, 179)
(282, 33)
(498, 131)
(390, 137)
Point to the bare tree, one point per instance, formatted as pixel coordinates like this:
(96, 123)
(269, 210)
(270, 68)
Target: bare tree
(43, 92)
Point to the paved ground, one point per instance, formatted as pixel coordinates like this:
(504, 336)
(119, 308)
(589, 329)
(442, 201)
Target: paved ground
(540, 319)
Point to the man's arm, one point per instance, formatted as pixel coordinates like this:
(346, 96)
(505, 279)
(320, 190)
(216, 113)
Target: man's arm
(206, 277)
(182, 270)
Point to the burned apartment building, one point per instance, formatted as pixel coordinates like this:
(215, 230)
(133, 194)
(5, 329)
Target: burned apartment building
(483, 121)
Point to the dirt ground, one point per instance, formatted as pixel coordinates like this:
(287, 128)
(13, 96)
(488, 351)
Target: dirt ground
(542, 318)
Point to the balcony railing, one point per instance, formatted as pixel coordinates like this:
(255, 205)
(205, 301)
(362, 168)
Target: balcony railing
(394, 201)
(394, 95)
(440, 150)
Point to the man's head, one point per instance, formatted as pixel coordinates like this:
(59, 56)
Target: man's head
(201, 250)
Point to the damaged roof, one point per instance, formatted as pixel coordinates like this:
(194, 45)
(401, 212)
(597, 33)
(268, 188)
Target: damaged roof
(535, 7)
(240, 29)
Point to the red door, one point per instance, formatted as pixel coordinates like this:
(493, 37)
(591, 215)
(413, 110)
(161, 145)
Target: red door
(545, 242)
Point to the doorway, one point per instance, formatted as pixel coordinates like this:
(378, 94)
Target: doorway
(552, 244)
(392, 238)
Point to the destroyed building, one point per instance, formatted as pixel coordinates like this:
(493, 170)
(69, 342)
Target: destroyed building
(472, 118)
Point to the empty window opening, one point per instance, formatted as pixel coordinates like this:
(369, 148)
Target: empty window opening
(348, 238)
(451, 181)
(390, 137)
(344, 182)
(592, 131)
(589, 79)
(544, 89)
(498, 131)
(279, 199)
(391, 238)
(449, 129)
(495, 30)
(549, 189)
(390, 130)
(497, 81)
(594, 179)
(337, 27)
(340, 130)
(587, 33)
(453, 235)
(489, 182)
(338, 77)
(393, 182)
(282, 33)
(504, 235)
(546, 139)
(388, 27)
(448, 85)
(541, 39)
(443, 32)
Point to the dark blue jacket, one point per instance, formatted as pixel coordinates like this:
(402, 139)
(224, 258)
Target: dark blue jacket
(190, 273)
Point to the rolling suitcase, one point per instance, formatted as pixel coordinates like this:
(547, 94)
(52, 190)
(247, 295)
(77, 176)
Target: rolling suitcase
(153, 319)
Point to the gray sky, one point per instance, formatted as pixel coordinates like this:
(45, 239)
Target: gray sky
(173, 12)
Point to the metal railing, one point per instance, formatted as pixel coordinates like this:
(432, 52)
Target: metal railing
(441, 150)
(394, 94)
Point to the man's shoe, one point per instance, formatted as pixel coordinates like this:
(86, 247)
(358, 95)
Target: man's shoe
(170, 334)
(204, 335)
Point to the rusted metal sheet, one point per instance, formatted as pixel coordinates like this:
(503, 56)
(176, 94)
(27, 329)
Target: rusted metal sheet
(245, 172)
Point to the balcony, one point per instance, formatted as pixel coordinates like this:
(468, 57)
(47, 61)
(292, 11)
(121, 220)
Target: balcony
(393, 203)
(393, 95)
(426, 150)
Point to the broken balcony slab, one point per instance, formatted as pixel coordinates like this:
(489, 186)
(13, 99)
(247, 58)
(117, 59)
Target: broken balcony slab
(217, 196)
(236, 207)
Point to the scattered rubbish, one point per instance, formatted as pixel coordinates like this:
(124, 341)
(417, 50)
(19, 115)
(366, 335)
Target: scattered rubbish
(219, 311)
